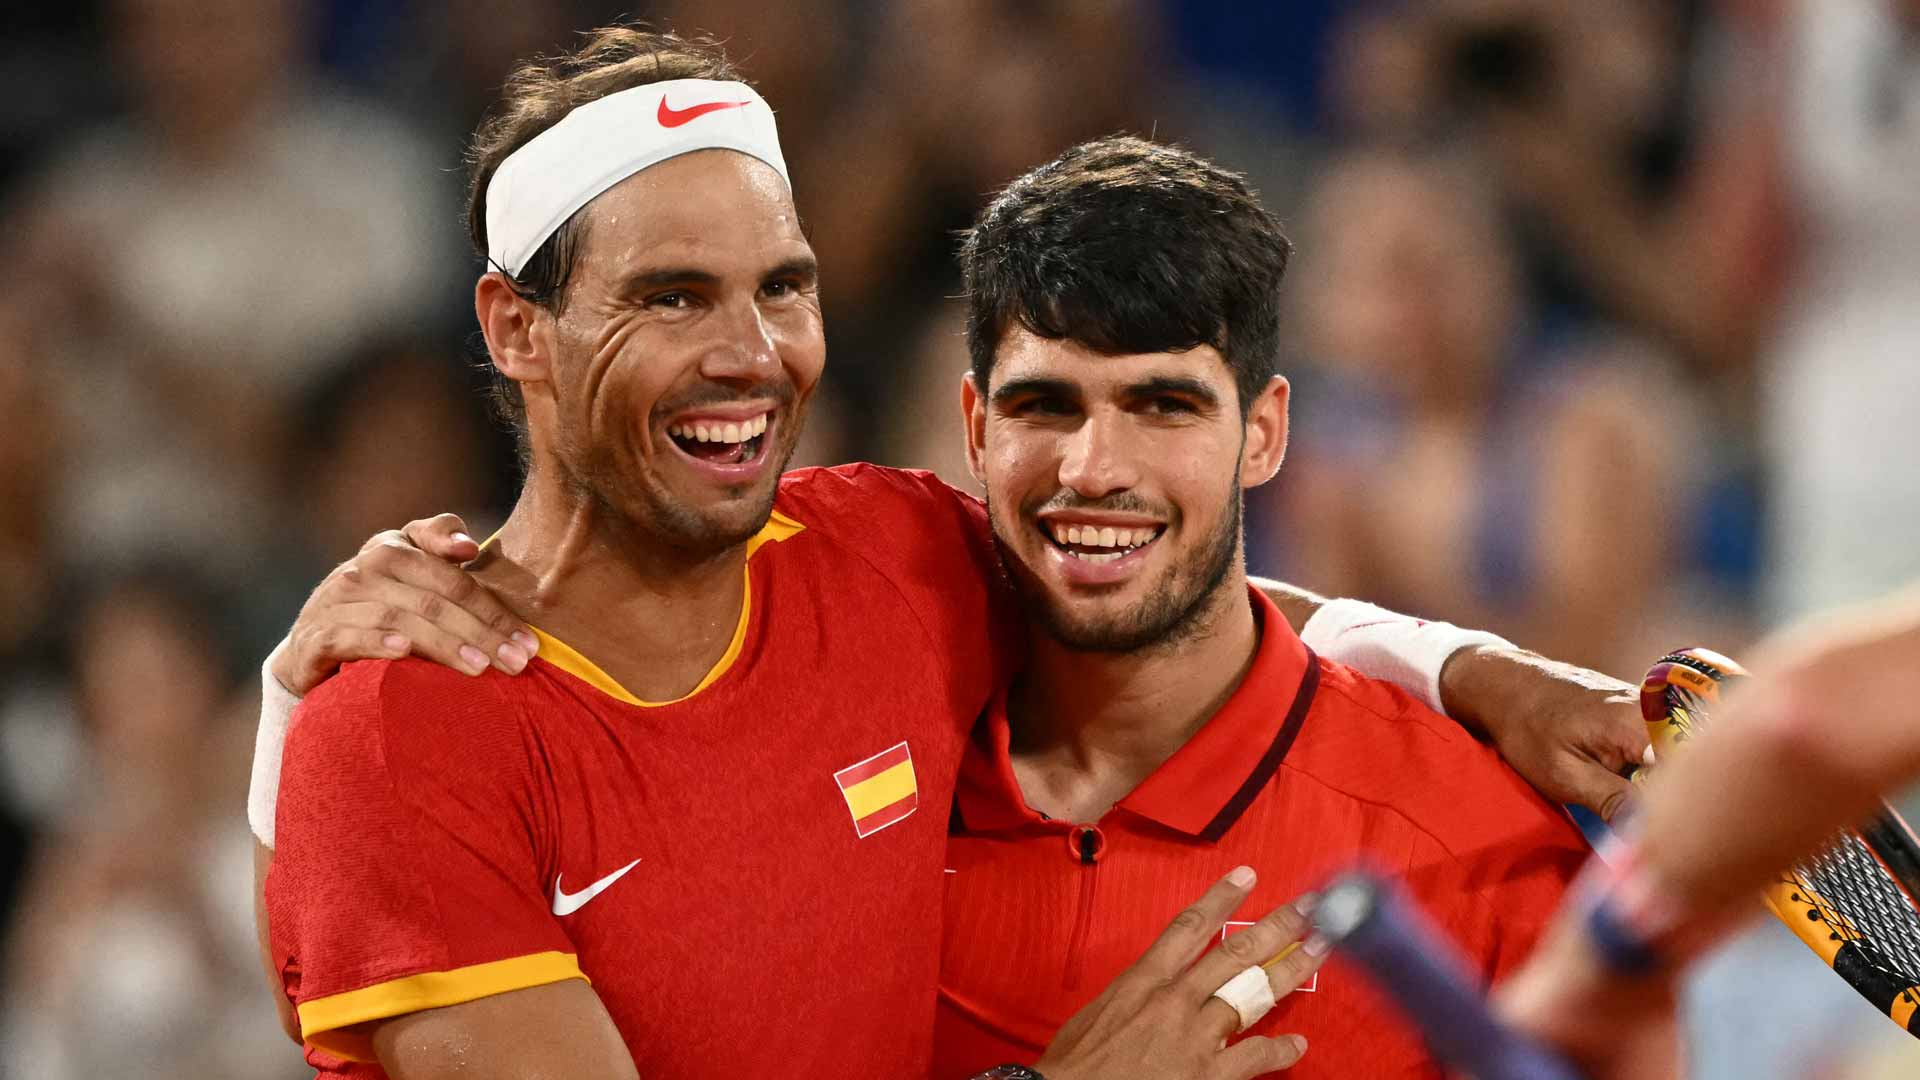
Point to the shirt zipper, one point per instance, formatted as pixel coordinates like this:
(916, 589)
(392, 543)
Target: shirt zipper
(1087, 844)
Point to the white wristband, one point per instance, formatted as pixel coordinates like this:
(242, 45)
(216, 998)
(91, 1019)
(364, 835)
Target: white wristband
(276, 715)
(1391, 647)
(1250, 993)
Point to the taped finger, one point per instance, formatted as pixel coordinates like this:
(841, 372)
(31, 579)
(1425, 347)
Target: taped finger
(1249, 994)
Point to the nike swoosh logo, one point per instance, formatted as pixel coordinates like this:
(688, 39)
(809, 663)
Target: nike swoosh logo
(566, 903)
(671, 117)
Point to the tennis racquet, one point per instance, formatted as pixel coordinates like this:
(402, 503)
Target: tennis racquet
(1853, 904)
(1374, 924)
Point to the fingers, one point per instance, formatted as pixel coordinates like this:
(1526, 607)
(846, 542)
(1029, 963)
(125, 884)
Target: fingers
(1193, 929)
(1257, 944)
(1610, 796)
(443, 535)
(355, 624)
(1291, 969)
(392, 571)
(1257, 1055)
(1275, 944)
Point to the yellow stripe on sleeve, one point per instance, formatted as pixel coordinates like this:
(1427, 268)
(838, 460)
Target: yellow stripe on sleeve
(881, 790)
(322, 1020)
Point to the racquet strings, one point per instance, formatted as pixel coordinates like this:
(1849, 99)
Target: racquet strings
(1867, 915)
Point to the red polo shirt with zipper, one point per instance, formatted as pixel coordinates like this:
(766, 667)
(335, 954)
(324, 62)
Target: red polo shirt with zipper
(1308, 768)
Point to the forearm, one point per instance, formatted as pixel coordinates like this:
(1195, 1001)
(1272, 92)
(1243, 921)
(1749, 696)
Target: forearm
(1297, 604)
(561, 1029)
(262, 863)
(276, 716)
(1479, 686)
(1572, 733)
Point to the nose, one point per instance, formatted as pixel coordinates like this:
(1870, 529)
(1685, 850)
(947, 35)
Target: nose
(744, 349)
(1097, 459)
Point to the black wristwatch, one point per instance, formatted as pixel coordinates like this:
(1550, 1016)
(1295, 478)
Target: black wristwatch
(1009, 1072)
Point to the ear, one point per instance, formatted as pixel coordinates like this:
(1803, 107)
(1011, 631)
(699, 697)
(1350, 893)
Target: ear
(973, 414)
(513, 329)
(1265, 446)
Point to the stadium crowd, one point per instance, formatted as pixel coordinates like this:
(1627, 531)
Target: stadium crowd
(1607, 315)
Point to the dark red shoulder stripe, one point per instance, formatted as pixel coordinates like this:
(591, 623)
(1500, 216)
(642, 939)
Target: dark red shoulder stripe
(1269, 761)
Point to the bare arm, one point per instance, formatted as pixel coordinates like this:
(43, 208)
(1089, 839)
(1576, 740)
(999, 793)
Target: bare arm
(1831, 722)
(1829, 725)
(1571, 732)
(1297, 604)
(560, 1031)
(262, 862)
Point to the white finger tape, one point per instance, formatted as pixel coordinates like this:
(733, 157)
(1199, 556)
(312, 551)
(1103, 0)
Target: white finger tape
(1250, 994)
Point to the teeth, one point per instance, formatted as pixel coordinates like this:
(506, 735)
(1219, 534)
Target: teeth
(1121, 540)
(721, 433)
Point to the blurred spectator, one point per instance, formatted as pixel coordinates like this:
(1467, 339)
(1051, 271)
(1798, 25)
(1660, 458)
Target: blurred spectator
(1447, 463)
(403, 431)
(134, 951)
(205, 258)
(1842, 375)
(31, 442)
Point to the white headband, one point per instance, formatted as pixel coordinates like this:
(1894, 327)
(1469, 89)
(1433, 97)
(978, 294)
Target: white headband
(539, 186)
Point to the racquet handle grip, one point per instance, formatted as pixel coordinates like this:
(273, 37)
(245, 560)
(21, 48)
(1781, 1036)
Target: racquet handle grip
(1373, 923)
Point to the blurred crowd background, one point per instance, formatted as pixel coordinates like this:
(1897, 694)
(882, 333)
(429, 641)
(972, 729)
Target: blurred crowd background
(1604, 328)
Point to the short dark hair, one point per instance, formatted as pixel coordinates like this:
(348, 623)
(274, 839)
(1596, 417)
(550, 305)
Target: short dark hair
(1129, 246)
(538, 95)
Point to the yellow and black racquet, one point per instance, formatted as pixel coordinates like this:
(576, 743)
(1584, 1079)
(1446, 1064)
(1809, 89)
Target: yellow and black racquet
(1854, 903)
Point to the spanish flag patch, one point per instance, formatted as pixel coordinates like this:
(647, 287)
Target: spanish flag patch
(880, 790)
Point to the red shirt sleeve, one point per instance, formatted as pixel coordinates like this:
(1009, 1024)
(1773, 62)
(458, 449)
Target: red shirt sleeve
(414, 841)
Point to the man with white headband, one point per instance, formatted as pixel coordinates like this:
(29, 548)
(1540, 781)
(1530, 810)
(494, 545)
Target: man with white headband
(703, 851)
(716, 818)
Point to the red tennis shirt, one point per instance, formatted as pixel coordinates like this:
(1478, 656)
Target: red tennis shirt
(749, 876)
(1307, 768)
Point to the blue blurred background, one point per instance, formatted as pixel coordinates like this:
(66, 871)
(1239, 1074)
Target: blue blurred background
(1604, 328)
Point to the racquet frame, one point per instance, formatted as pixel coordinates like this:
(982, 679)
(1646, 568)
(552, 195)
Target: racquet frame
(1793, 898)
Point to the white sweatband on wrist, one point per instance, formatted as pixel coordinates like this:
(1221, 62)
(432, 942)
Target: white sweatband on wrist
(597, 145)
(276, 715)
(1249, 994)
(1391, 647)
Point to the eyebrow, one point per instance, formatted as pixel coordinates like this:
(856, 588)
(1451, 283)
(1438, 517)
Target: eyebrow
(800, 266)
(1175, 384)
(1034, 386)
(665, 276)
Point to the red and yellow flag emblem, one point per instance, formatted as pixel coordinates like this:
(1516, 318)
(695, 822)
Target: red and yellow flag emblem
(880, 790)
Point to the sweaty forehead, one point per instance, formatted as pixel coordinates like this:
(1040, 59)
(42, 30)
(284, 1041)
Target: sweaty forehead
(715, 205)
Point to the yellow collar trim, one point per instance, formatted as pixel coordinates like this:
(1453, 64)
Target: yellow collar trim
(563, 656)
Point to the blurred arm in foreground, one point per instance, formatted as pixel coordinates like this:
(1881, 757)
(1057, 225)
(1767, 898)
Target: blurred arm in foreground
(1830, 724)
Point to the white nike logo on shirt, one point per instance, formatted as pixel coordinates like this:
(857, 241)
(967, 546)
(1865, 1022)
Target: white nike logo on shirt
(565, 903)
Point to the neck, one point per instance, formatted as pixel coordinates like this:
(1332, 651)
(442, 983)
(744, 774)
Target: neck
(1088, 727)
(653, 617)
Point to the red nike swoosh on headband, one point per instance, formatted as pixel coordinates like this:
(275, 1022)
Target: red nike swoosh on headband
(672, 117)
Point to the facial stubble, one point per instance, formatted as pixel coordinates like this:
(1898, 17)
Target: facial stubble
(1177, 610)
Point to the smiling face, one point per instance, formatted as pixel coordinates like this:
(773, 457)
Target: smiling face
(669, 390)
(1114, 484)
